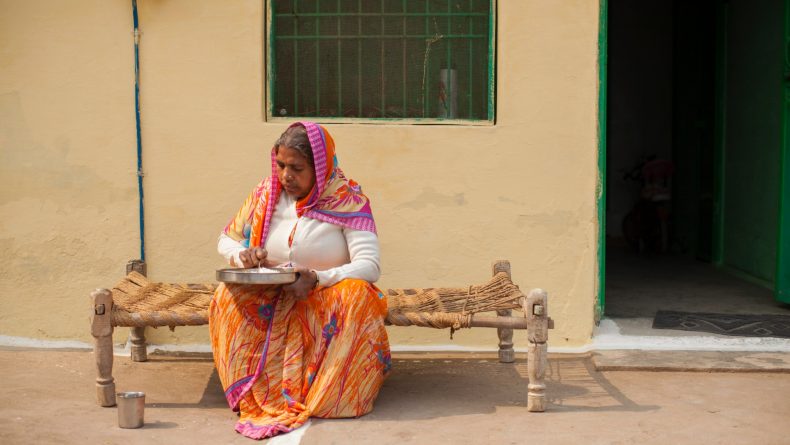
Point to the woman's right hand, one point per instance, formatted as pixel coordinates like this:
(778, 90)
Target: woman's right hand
(253, 257)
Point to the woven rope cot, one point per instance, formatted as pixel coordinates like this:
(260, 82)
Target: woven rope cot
(138, 303)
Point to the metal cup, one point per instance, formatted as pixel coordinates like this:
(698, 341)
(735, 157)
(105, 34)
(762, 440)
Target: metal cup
(130, 409)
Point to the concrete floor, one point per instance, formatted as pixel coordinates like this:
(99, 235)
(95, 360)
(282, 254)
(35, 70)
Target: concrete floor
(637, 286)
(48, 398)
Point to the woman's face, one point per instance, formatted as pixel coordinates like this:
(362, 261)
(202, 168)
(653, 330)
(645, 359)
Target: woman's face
(295, 172)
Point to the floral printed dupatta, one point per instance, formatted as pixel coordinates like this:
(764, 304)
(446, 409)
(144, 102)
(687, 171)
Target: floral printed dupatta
(333, 199)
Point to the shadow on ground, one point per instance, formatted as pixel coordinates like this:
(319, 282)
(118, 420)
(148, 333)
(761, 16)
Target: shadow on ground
(479, 386)
(472, 385)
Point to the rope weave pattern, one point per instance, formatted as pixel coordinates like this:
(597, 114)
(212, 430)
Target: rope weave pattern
(138, 302)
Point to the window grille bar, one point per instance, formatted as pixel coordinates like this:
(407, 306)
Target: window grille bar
(359, 61)
(470, 86)
(426, 61)
(339, 68)
(381, 65)
(385, 36)
(490, 84)
(317, 63)
(270, 59)
(376, 14)
(448, 88)
(403, 49)
(296, 64)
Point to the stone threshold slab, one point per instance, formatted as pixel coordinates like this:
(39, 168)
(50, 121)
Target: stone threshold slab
(691, 361)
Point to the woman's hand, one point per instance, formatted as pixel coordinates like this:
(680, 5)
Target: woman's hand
(302, 287)
(254, 257)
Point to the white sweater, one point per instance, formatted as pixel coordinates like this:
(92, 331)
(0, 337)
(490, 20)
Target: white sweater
(333, 252)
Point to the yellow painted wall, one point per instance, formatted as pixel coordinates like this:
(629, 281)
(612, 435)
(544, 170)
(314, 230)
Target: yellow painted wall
(68, 190)
(448, 199)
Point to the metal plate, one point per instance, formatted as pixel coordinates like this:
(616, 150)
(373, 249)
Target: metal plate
(282, 275)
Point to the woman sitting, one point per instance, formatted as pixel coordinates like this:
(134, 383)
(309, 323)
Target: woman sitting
(316, 347)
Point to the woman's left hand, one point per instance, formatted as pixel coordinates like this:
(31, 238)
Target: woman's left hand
(302, 287)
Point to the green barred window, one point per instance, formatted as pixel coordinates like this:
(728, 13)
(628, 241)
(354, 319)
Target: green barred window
(381, 59)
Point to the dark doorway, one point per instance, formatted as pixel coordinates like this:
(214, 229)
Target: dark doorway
(694, 140)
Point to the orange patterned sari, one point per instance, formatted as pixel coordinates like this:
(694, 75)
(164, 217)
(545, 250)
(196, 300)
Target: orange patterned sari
(282, 361)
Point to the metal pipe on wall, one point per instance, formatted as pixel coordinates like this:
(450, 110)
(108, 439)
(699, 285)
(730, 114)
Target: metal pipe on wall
(139, 133)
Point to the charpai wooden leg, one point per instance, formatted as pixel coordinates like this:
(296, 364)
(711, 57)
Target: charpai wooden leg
(536, 368)
(536, 310)
(101, 329)
(137, 335)
(506, 353)
(139, 353)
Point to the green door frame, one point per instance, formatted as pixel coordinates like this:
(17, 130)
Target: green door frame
(782, 287)
(603, 27)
